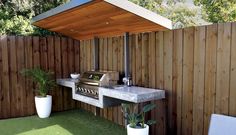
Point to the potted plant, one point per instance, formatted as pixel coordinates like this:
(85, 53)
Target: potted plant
(137, 123)
(44, 83)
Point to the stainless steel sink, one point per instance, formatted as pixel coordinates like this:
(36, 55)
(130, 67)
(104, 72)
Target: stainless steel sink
(115, 87)
(119, 87)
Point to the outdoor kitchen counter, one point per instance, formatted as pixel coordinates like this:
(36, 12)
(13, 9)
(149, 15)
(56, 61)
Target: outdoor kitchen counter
(68, 82)
(133, 94)
(120, 92)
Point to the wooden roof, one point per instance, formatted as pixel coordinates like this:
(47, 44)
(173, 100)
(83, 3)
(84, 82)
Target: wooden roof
(83, 19)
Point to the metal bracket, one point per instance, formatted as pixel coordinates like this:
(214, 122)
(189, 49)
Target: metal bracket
(126, 54)
(96, 53)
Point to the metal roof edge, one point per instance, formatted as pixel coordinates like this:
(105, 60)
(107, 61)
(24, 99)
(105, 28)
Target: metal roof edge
(142, 12)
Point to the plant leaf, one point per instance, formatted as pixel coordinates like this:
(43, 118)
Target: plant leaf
(148, 108)
(151, 122)
(43, 79)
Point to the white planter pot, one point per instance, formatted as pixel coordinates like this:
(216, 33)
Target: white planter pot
(43, 106)
(138, 131)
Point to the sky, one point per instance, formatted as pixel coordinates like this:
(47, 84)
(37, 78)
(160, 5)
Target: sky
(190, 1)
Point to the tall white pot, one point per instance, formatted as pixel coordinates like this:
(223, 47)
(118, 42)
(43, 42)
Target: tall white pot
(138, 131)
(43, 106)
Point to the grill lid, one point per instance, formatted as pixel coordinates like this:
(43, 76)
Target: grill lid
(100, 78)
(91, 80)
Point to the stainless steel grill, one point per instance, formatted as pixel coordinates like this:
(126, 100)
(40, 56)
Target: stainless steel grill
(90, 81)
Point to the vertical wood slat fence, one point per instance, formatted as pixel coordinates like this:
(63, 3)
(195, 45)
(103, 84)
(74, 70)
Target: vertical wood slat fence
(18, 53)
(196, 66)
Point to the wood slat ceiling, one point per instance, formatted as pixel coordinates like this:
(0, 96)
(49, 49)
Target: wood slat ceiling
(98, 18)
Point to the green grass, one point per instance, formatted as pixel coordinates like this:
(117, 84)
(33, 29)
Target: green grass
(75, 122)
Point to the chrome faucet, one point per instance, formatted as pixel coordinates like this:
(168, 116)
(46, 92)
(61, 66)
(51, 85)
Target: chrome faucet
(127, 81)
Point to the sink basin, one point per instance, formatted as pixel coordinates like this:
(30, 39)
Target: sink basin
(119, 87)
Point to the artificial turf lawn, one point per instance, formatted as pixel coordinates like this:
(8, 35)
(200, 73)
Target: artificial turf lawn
(74, 122)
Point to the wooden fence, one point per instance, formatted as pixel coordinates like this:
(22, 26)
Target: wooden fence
(196, 66)
(49, 53)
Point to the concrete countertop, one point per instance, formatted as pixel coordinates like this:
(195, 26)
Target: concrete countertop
(133, 94)
(115, 95)
(67, 82)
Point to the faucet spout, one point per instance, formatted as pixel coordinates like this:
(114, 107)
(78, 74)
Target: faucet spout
(127, 81)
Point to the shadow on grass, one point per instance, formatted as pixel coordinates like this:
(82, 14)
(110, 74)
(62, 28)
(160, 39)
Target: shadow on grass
(75, 122)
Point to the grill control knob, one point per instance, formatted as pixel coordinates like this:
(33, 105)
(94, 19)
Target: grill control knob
(82, 89)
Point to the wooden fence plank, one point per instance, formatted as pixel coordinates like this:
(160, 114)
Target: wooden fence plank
(36, 52)
(43, 52)
(51, 68)
(88, 55)
(81, 57)
(152, 69)
(188, 81)
(92, 54)
(223, 66)
(133, 57)
(145, 77)
(138, 66)
(93, 108)
(36, 56)
(109, 62)
(101, 65)
(29, 83)
(151, 61)
(71, 67)
(232, 98)
(177, 77)
(159, 60)
(101, 53)
(82, 61)
(91, 66)
(1, 74)
(120, 65)
(105, 67)
(5, 100)
(77, 63)
(85, 64)
(144, 65)
(13, 75)
(115, 68)
(210, 75)
(168, 52)
(77, 56)
(65, 72)
(160, 111)
(198, 84)
(20, 78)
(58, 71)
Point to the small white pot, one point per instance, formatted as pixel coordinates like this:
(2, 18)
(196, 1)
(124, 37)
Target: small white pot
(43, 106)
(138, 131)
